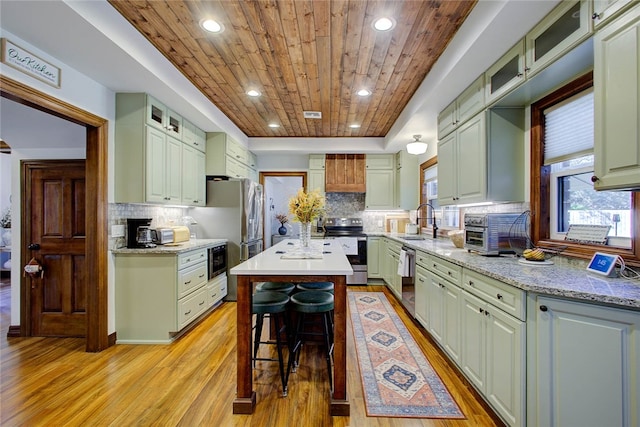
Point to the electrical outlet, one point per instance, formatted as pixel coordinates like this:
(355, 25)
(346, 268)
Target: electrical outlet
(117, 231)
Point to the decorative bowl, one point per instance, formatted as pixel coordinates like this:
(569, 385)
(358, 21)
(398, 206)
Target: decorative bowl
(457, 237)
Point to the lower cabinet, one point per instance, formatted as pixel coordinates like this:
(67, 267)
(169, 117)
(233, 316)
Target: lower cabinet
(493, 356)
(391, 277)
(585, 365)
(158, 295)
(373, 258)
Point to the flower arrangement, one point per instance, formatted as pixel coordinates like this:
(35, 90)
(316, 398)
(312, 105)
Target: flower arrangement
(5, 220)
(282, 218)
(305, 207)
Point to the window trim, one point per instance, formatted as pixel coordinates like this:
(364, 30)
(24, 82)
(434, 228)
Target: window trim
(424, 166)
(540, 185)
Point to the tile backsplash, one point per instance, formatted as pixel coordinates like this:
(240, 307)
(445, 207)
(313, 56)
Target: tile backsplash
(161, 215)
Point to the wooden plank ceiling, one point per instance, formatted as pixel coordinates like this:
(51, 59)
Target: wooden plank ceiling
(302, 55)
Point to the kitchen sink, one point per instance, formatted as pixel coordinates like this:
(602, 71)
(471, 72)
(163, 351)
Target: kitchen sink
(414, 237)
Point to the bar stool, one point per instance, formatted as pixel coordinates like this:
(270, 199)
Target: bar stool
(284, 287)
(315, 286)
(311, 302)
(273, 304)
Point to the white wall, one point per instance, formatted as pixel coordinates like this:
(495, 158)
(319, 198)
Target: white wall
(283, 162)
(82, 92)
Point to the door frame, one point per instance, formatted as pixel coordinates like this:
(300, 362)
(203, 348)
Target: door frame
(262, 177)
(97, 337)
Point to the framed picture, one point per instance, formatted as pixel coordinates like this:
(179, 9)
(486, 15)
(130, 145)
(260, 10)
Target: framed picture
(23, 60)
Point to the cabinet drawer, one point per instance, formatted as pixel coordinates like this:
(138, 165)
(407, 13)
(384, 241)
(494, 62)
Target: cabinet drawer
(191, 278)
(191, 307)
(442, 268)
(190, 258)
(216, 290)
(505, 297)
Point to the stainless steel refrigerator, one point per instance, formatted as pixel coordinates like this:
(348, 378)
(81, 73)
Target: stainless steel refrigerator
(234, 212)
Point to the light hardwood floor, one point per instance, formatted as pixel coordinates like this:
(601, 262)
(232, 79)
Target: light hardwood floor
(54, 382)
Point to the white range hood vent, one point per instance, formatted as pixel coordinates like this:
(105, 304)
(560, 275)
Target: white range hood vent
(312, 114)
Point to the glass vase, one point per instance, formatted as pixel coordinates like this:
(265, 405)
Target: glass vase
(305, 234)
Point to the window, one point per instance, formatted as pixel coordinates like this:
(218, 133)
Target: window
(446, 217)
(562, 166)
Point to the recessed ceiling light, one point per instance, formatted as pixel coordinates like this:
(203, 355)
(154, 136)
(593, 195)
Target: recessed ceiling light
(274, 125)
(212, 26)
(363, 92)
(354, 126)
(384, 24)
(253, 92)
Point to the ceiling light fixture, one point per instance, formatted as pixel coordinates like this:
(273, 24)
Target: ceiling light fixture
(384, 24)
(364, 92)
(212, 26)
(417, 147)
(253, 92)
(354, 126)
(274, 125)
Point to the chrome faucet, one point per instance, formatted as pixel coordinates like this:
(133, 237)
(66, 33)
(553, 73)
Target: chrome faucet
(433, 218)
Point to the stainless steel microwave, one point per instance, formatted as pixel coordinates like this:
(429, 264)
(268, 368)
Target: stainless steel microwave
(488, 233)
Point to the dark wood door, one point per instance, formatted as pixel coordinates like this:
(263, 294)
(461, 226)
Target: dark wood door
(57, 226)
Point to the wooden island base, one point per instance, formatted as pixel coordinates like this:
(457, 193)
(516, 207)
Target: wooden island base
(269, 267)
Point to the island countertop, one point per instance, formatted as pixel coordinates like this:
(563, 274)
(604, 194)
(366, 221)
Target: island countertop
(274, 261)
(565, 278)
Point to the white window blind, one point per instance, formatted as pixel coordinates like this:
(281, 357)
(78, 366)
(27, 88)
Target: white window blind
(568, 131)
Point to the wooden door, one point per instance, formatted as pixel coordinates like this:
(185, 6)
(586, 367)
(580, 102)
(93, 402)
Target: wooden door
(57, 233)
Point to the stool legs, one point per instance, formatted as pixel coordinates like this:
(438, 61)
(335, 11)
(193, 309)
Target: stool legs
(257, 340)
(297, 342)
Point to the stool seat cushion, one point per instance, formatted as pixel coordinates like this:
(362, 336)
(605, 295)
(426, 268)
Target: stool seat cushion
(287, 288)
(316, 286)
(269, 302)
(311, 302)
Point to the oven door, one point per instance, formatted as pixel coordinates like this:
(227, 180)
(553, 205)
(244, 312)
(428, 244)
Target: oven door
(475, 238)
(356, 253)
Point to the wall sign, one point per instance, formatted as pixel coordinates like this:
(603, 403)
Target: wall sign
(23, 60)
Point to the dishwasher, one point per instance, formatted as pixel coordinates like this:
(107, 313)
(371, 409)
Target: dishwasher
(408, 281)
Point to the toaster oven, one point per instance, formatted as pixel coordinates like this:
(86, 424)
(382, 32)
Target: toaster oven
(488, 233)
(162, 236)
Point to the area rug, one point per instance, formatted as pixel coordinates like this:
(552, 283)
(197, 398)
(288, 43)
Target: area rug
(397, 379)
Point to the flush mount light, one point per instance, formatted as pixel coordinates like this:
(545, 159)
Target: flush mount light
(274, 125)
(253, 92)
(384, 24)
(416, 147)
(212, 26)
(363, 92)
(354, 126)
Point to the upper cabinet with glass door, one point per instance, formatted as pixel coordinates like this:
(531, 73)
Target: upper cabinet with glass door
(161, 117)
(560, 31)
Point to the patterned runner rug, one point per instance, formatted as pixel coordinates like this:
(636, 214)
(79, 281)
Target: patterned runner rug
(398, 380)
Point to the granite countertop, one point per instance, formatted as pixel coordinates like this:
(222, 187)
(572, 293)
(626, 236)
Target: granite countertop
(563, 278)
(170, 249)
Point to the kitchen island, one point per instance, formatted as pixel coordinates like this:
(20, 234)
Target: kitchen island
(285, 262)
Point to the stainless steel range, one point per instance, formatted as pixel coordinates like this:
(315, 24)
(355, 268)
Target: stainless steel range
(354, 243)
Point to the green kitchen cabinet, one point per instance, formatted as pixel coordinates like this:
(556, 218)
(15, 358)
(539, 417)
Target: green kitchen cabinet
(584, 368)
(407, 191)
(605, 10)
(316, 174)
(483, 159)
(469, 103)
(193, 176)
(227, 157)
(616, 83)
(149, 162)
(381, 182)
(373, 257)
